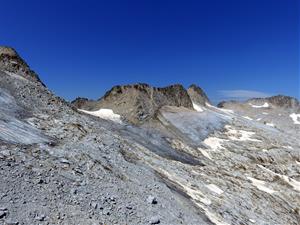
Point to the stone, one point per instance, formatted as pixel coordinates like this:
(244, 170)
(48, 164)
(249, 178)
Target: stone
(2, 214)
(155, 220)
(11, 222)
(41, 217)
(94, 205)
(151, 200)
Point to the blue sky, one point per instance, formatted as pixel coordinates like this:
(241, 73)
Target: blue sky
(232, 48)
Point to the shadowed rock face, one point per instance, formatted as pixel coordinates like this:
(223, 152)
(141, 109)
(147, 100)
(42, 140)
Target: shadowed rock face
(138, 102)
(10, 61)
(197, 95)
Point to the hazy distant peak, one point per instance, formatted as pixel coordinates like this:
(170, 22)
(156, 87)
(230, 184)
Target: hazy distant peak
(278, 100)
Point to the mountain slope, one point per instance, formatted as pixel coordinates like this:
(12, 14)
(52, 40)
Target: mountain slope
(178, 166)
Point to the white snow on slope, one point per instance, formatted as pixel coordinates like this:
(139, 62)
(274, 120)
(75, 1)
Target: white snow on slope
(265, 113)
(265, 105)
(214, 143)
(240, 135)
(106, 114)
(290, 181)
(205, 153)
(260, 185)
(220, 109)
(197, 107)
(295, 118)
(270, 124)
(247, 117)
(288, 147)
(215, 188)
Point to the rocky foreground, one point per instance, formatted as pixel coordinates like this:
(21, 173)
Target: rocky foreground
(144, 155)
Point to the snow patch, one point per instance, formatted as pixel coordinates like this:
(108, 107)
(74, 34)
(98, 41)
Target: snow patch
(220, 109)
(227, 110)
(240, 135)
(197, 107)
(205, 153)
(252, 221)
(247, 117)
(214, 143)
(215, 188)
(106, 114)
(265, 113)
(209, 105)
(265, 105)
(295, 118)
(290, 181)
(270, 124)
(258, 119)
(260, 185)
(214, 218)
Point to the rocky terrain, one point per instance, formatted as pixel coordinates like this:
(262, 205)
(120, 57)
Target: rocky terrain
(144, 155)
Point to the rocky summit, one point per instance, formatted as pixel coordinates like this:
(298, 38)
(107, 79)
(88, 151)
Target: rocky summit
(197, 95)
(138, 102)
(144, 155)
(11, 62)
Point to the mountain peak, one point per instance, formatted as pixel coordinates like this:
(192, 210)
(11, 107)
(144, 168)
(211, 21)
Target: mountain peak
(197, 95)
(8, 51)
(11, 61)
(138, 102)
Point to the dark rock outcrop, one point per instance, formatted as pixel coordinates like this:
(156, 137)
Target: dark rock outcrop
(223, 103)
(10, 61)
(197, 95)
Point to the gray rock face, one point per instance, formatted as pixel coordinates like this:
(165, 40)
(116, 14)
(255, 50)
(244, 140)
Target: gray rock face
(216, 166)
(197, 95)
(138, 102)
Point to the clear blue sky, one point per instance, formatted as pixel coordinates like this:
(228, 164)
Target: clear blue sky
(228, 47)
